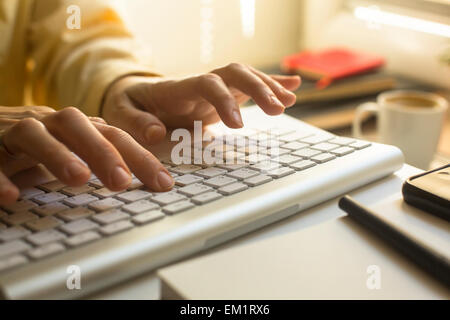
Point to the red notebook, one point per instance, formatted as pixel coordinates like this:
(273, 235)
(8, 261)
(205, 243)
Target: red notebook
(330, 64)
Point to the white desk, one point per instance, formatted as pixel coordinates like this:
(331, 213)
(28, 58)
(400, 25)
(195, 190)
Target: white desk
(148, 286)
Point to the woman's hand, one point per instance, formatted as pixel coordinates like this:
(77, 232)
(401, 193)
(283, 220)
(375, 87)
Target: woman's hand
(34, 135)
(144, 106)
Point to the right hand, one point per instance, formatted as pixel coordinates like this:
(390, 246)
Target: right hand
(41, 135)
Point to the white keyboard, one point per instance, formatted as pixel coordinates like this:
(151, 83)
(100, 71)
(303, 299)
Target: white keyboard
(53, 218)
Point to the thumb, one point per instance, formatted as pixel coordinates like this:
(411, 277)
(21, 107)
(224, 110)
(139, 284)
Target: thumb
(143, 126)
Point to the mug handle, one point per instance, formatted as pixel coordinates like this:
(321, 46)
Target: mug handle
(371, 107)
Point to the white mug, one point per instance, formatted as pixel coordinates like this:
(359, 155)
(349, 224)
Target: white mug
(411, 120)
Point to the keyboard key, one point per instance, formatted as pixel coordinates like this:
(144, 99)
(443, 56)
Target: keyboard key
(280, 172)
(148, 216)
(12, 261)
(52, 186)
(19, 218)
(232, 166)
(256, 157)
(187, 179)
(111, 216)
(167, 198)
(306, 153)
(13, 233)
(341, 141)
(96, 183)
(206, 197)
(210, 172)
(21, 205)
(219, 181)
(44, 237)
(13, 247)
(293, 136)
(140, 206)
(74, 191)
(76, 214)
(276, 152)
(49, 197)
(46, 250)
(302, 165)
(194, 189)
(325, 146)
(279, 131)
(80, 200)
(257, 180)
(243, 173)
(252, 149)
(359, 144)
(28, 193)
(82, 238)
(116, 227)
(265, 166)
(50, 209)
(105, 204)
(135, 184)
(323, 157)
(342, 151)
(286, 159)
(178, 207)
(185, 169)
(43, 223)
(317, 138)
(105, 193)
(79, 226)
(233, 188)
(134, 195)
(294, 145)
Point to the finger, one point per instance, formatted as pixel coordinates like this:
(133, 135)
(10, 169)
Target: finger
(143, 163)
(289, 82)
(77, 132)
(30, 137)
(240, 77)
(97, 119)
(8, 191)
(285, 96)
(212, 88)
(143, 126)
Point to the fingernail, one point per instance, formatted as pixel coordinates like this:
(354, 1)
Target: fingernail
(153, 133)
(165, 181)
(76, 169)
(237, 117)
(278, 102)
(120, 177)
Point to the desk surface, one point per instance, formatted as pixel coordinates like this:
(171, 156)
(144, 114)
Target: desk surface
(148, 286)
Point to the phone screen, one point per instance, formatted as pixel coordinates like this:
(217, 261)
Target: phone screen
(436, 182)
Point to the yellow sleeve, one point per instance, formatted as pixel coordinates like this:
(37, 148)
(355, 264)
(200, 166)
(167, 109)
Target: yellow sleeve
(74, 67)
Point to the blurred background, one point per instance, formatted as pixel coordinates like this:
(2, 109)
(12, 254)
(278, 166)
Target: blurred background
(197, 35)
(411, 36)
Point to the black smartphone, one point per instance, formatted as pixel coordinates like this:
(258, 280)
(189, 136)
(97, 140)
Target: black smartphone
(430, 191)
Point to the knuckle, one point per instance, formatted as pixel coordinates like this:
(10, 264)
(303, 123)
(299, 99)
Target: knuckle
(147, 157)
(208, 78)
(112, 132)
(26, 124)
(43, 109)
(69, 113)
(235, 66)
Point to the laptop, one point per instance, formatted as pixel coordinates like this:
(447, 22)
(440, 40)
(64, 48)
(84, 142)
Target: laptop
(61, 242)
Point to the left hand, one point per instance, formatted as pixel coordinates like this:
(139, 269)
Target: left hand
(144, 106)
